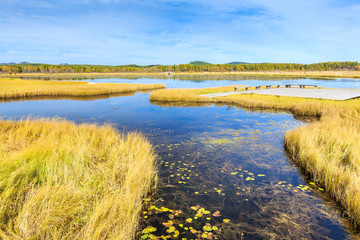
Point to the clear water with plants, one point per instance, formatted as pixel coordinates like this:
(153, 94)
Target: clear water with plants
(223, 171)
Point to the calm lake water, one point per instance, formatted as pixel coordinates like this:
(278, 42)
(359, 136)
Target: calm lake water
(223, 172)
(196, 81)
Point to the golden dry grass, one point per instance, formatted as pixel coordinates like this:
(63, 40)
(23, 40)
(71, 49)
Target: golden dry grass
(59, 180)
(17, 88)
(329, 149)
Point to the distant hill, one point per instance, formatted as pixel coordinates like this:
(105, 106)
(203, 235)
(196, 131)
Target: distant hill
(138, 66)
(199, 63)
(237, 63)
(206, 63)
(12, 63)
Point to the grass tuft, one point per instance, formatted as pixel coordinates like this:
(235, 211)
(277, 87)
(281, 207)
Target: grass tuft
(59, 180)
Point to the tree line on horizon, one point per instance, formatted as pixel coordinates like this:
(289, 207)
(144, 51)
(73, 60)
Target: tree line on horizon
(48, 68)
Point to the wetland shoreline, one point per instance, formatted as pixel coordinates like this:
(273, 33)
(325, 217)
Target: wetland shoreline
(11, 89)
(189, 97)
(96, 171)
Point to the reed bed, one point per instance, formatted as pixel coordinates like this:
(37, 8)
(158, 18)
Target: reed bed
(59, 180)
(328, 149)
(17, 88)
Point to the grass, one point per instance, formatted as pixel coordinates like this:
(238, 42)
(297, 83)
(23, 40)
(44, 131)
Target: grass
(328, 149)
(59, 180)
(17, 88)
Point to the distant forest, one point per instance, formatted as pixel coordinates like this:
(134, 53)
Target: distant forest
(48, 68)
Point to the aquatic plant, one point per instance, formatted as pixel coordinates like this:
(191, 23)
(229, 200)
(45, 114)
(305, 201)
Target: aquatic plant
(17, 88)
(328, 150)
(59, 180)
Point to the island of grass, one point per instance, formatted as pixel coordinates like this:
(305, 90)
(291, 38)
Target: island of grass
(20, 89)
(328, 149)
(59, 180)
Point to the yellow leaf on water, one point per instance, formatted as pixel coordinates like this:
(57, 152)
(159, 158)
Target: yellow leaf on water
(216, 214)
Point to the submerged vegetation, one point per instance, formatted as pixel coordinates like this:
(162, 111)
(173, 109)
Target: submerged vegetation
(17, 88)
(59, 180)
(196, 66)
(328, 150)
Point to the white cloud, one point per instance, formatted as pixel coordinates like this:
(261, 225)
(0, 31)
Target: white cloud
(167, 32)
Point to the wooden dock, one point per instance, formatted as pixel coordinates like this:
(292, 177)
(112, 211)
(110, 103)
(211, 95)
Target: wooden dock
(333, 94)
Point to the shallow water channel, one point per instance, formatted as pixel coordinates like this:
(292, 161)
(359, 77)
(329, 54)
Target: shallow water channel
(223, 172)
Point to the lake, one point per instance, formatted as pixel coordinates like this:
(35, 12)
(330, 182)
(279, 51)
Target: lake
(222, 167)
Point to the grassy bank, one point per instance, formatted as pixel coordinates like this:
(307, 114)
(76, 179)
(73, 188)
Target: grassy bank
(17, 88)
(328, 150)
(315, 74)
(59, 180)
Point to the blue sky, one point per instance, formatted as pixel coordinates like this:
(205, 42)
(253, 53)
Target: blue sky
(179, 31)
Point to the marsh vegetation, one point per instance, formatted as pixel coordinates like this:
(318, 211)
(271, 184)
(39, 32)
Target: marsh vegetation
(18, 89)
(223, 172)
(60, 180)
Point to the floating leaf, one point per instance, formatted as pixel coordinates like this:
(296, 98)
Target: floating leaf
(149, 229)
(207, 228)
(171, 229)
(168, 224)
(145, 236)
(217, 214)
